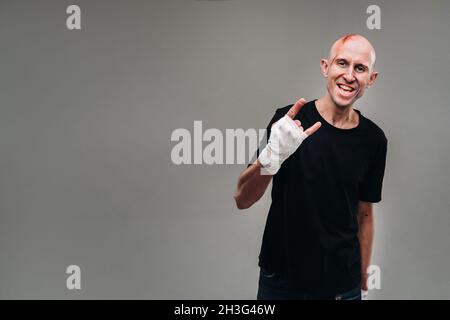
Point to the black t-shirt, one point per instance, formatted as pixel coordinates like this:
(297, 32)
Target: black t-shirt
(311, 229)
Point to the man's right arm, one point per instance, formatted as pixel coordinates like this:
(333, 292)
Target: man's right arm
(251, 186)
(285, 138)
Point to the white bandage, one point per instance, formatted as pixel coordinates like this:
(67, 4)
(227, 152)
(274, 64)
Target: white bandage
(285, 138)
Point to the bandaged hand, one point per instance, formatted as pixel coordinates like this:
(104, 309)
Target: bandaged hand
(285, 137)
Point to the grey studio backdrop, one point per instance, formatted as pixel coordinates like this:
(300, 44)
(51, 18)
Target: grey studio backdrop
(86, 120)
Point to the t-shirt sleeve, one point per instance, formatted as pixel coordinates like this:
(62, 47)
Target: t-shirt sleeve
(277, 116)
(370, 189)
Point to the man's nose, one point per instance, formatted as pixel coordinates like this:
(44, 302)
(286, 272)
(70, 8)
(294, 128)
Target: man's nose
(349, 76)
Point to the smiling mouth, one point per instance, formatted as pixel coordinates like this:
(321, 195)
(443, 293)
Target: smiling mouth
(345, 88)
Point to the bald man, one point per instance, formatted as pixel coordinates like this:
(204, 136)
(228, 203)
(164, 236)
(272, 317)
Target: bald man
(326, 161)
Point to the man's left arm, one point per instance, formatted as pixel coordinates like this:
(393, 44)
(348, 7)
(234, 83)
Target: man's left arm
(365, 235)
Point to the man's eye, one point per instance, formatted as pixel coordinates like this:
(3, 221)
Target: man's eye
(360, 68)
(341, 63)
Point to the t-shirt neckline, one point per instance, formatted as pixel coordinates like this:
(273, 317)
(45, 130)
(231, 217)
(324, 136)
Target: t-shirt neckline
(327, 124)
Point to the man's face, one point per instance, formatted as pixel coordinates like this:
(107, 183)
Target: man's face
(349, 70)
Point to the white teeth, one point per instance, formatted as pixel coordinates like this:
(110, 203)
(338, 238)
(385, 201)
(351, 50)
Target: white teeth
(345, 88)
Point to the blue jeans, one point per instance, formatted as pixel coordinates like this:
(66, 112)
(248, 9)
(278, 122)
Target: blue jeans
(274, 286)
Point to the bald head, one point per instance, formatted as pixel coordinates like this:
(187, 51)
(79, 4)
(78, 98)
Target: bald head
(353, 41)
(349, 69)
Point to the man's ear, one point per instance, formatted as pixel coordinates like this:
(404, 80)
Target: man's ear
(372, 79)
(324, 67)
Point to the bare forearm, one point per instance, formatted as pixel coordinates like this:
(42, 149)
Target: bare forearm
(366, 235)
(251, 186)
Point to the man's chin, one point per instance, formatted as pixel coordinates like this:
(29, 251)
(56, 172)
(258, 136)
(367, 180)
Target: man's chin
(343, 103)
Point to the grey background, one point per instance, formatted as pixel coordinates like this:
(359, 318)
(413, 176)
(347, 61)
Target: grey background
(86, 118)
